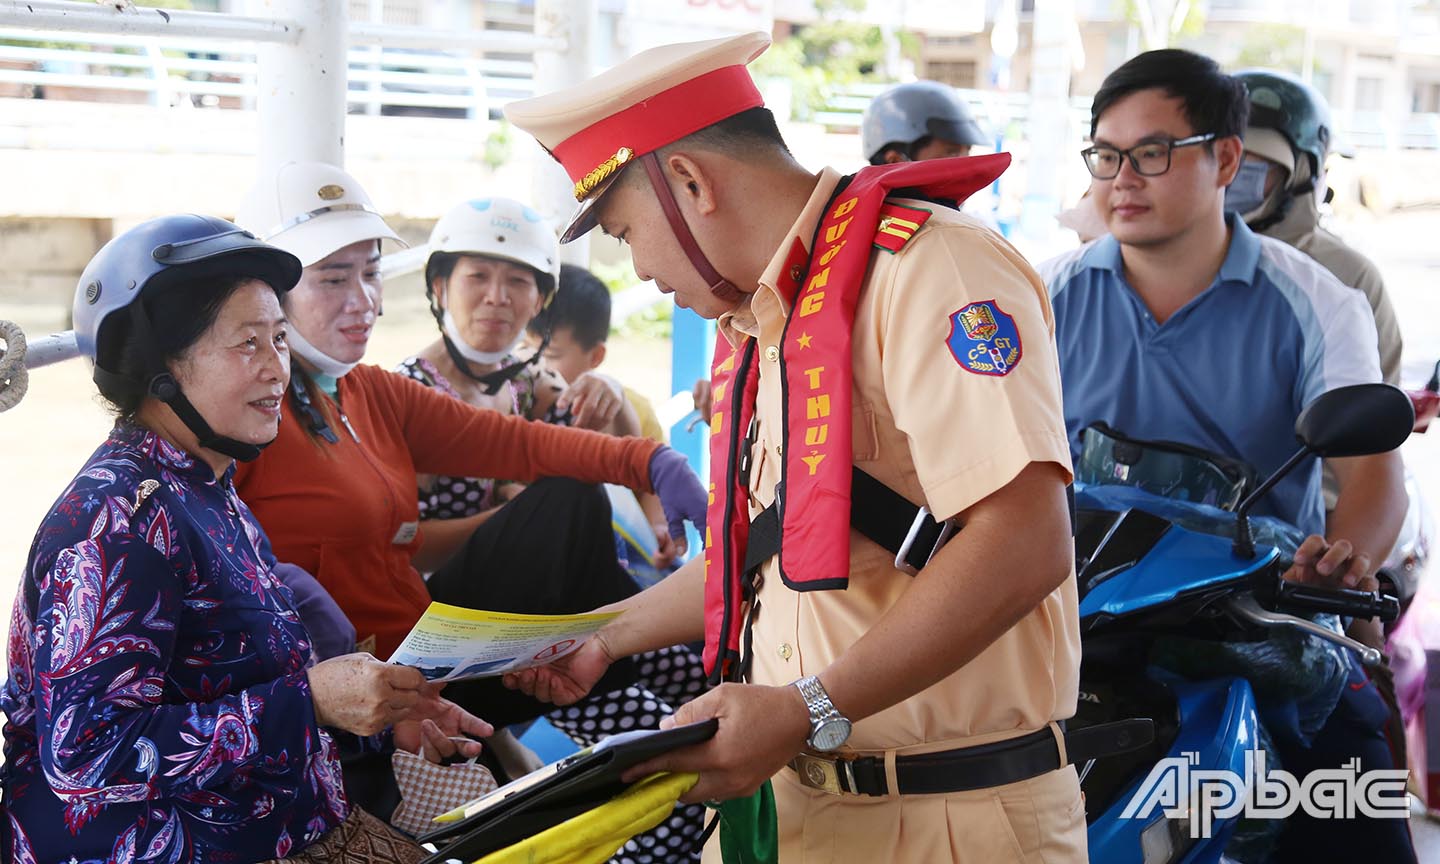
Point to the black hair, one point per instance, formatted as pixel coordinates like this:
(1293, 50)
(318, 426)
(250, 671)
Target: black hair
(438, 266)
(747, 135)
(582, 305)
(740, 134)
(1214, 102)
(180, 312)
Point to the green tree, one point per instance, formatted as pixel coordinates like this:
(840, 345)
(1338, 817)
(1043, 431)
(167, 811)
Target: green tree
(1162, 23)
(1272, 46)
(823, 58)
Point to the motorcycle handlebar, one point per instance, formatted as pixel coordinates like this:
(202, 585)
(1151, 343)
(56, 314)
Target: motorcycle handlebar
(1294, 597)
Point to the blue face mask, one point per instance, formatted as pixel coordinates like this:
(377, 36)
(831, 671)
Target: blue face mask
(1246, 193)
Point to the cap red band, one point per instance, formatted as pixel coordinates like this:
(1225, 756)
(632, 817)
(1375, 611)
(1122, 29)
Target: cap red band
(661, 119)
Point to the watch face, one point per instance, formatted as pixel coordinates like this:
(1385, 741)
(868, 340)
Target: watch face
(830, 734)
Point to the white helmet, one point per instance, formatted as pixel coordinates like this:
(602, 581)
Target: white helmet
(502, 228)
(312, 209)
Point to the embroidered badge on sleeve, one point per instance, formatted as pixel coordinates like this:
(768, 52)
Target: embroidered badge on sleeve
(898, 224)
(984, 339)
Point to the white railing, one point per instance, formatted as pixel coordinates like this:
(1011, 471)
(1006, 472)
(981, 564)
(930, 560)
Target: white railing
(384, 75)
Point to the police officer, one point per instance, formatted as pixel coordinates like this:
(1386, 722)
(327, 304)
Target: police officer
(969, 655)
(1278, 188)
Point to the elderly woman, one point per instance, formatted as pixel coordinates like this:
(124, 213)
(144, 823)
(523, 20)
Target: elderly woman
(494, 265)
(162, 701)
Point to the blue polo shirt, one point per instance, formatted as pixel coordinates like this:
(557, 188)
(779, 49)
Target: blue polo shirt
(1229, 372)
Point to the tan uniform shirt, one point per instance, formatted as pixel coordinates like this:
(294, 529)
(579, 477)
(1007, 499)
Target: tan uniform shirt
(945, 436)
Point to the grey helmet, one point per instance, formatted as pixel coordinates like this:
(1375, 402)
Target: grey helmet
(906, 113)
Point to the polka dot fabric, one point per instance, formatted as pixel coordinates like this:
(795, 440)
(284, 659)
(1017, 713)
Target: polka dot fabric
(666, 679)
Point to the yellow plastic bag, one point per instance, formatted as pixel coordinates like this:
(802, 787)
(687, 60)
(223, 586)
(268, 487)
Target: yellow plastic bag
(594, 836)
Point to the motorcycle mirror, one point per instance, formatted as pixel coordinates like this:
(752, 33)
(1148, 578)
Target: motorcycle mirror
(1357, 420)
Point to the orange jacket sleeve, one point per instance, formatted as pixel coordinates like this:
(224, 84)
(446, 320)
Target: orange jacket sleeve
(447, 436)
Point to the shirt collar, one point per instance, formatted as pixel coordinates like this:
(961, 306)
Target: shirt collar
(779, 277)
(1241, 259)
(169, 457)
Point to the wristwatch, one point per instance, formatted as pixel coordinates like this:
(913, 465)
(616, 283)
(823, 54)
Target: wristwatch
(828, 727)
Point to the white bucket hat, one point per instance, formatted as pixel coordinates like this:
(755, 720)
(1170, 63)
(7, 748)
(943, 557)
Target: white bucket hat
(311, 209)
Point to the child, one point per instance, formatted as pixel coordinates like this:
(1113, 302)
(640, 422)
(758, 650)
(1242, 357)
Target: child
(579, 323)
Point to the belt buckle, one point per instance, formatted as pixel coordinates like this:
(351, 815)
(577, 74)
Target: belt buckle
(823, 774)
(946, 529)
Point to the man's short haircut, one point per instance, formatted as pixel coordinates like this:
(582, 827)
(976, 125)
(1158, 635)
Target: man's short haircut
(1214, 102)
(582, 304)
(751, 134)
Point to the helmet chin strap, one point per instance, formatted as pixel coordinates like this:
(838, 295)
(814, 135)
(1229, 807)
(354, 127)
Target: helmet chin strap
(721, 287)
(315, 357)
(163, 386)
(462, 355)
(486, 358)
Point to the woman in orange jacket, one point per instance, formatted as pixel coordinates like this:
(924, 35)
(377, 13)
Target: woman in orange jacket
(336, 491)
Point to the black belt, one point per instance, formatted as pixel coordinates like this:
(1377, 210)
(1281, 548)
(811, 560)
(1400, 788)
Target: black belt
(980, 767)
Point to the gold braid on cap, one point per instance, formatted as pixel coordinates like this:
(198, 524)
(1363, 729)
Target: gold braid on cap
(587, 184)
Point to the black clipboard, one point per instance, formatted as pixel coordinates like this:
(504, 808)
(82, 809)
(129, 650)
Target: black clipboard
(557, 792)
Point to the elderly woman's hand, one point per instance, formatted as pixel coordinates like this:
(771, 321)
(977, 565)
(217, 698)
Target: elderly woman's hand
(434, 723)
(359, 694)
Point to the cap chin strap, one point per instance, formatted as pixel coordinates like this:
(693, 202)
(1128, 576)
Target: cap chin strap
(315, 357)
(721, 287)
(163, 386)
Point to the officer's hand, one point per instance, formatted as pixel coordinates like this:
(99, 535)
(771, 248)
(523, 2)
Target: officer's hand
(667, 550)
(1332, 565)
(567, 680)
(704, 398)
(591, 401)
(761, 729)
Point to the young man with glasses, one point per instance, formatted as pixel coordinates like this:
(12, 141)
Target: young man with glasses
(1183, 325)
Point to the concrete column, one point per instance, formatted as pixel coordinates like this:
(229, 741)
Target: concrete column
(1048, 121)
(301, 100)
(575, 22)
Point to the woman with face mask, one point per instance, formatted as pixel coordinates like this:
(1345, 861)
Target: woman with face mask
(162, 698)
(337, 489)
(494, 264)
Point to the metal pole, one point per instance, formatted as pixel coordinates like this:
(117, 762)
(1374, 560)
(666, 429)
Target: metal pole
(142, 21)
(302, 87)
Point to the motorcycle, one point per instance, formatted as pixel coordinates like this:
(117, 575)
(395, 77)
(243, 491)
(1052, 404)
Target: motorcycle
(1151, 569)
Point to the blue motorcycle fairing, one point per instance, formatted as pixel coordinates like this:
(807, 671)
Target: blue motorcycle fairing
(1218, 722)
(1182, 562)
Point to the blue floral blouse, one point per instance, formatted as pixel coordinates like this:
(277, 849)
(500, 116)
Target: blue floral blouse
(157, 705)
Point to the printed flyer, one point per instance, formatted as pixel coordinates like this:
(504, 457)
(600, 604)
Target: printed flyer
(449, 643)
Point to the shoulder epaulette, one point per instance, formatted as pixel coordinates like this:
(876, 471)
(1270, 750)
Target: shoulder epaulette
(898, 224)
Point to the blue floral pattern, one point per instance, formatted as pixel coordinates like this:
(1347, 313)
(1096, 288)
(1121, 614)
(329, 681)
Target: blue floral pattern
(157, 705)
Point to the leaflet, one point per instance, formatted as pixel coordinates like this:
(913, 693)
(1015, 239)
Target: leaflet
(449, 643)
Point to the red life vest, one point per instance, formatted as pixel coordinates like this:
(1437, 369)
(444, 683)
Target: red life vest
(814, 490)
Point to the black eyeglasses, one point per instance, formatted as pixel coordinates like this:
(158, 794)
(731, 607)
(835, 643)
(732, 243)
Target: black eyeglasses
(1149, 159)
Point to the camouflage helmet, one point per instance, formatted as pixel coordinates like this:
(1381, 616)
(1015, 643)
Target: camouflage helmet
(1281, 101)
(908, 112)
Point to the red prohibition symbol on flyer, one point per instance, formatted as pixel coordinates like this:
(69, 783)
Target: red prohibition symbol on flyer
(556, 650)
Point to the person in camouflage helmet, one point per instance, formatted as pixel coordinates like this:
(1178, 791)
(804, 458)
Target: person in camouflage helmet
(1278, 191)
